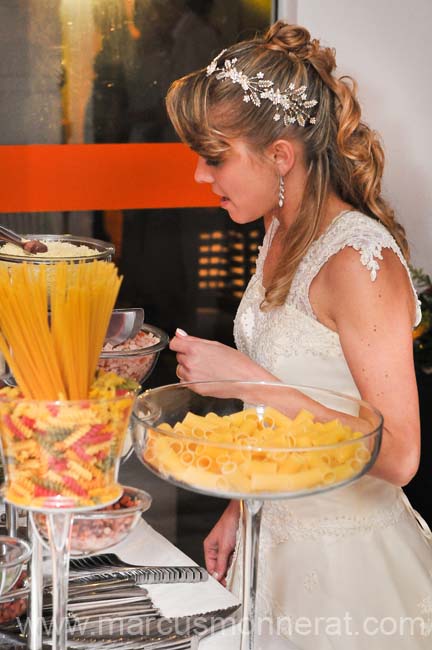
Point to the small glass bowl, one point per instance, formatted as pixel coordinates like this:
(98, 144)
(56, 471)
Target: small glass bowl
(135, 364)
(98, 530)
(14, 603)
(14, 553)
(102, 250)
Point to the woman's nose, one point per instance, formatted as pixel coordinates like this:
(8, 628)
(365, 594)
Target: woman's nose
(202, 172)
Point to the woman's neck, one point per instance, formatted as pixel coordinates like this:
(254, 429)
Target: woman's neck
(334, 206)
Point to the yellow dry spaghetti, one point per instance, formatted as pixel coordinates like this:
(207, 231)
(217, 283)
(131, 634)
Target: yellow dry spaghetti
(269, 452)
(55, 356)
(62, 431)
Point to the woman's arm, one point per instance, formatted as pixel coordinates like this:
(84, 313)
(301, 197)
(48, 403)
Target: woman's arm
(374, 320)
(204, 360)
(220, 543)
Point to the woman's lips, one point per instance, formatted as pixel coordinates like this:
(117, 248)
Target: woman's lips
(223, 199)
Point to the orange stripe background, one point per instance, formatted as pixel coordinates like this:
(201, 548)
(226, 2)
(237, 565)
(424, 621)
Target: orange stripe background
(39, 178)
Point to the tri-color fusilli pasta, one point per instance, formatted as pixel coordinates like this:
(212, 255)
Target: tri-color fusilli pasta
(63, 450)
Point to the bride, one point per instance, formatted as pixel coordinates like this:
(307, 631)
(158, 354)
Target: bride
(331, 304)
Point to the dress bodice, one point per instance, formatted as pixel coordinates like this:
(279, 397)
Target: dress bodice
(288, 340)
(293, 345)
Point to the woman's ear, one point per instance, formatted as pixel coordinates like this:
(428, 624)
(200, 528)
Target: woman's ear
(283, 154)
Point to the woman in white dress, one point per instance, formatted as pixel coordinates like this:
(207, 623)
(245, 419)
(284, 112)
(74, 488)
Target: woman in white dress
(331, 304)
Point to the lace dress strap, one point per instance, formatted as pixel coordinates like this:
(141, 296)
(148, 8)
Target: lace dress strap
(350, 228)
(263, 249)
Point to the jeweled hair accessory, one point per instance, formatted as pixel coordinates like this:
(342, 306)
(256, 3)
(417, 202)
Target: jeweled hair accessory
(292, 105)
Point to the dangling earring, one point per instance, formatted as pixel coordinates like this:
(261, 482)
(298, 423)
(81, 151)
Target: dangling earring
(281, 191)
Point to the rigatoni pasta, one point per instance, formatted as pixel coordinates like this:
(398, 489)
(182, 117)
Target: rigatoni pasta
(256, 451)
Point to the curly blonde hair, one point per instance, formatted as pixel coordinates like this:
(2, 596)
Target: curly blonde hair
(342, 154)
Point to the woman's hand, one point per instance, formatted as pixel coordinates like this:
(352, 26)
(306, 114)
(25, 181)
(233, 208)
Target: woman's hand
(220, 543)
(204, 360)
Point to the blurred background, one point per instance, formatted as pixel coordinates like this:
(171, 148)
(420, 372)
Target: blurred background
(95, 72)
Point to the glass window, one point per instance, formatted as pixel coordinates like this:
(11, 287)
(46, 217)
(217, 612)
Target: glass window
(97, 70)
(92, 72)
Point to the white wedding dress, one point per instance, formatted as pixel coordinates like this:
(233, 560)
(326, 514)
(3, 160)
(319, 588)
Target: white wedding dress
(350, 569)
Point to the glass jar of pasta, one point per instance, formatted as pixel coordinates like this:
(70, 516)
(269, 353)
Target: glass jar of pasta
(63, 454)
(61, 248)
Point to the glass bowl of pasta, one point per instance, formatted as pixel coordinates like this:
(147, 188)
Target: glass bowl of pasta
(254, 441)
(98, 530)
(251, 439)
(63, 455)
(14, 554)
(135, 358)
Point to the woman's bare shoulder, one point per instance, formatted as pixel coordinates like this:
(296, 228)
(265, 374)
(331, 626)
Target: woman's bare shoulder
(349, 282)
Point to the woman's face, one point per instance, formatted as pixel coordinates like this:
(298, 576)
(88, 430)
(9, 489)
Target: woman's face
(247, 183)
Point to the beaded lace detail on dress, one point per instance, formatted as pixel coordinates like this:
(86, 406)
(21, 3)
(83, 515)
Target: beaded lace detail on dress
(362, 233)
(280, 524)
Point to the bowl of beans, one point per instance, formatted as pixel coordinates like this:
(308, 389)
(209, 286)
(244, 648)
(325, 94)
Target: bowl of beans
(14, 603)
(136, 357)
(97, 530)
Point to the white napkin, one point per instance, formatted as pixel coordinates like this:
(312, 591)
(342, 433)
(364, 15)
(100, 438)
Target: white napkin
(145, 546)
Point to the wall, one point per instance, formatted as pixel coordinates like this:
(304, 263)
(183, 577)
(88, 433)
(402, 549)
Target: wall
(385, 45)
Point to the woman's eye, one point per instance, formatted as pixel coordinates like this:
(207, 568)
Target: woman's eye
(212, 162)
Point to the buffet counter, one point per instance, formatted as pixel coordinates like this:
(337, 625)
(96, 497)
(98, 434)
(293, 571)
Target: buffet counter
(146, 546)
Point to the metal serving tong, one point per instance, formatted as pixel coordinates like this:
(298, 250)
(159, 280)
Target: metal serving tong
(183, 633)
(30, 246)
(107, 578)
(109, 566)
(141, 576)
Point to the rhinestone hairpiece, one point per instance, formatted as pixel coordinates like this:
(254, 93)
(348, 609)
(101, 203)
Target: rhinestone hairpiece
(292, 105)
